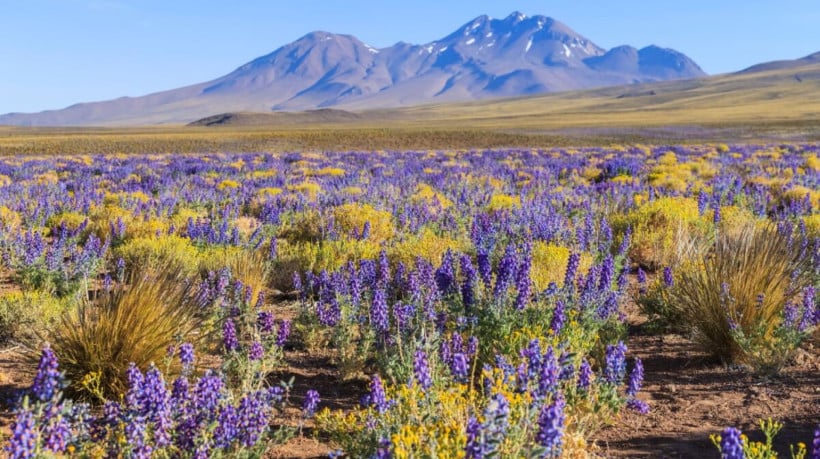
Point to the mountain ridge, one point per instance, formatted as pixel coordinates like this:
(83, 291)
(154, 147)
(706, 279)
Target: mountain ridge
(484, 58)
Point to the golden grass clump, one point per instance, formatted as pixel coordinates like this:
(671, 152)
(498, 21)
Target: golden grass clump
(744, 280)
(249, 266)
(135, 322)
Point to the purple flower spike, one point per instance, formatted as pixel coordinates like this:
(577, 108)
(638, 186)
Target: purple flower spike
(48, 380)
(731, 445)
(422, 370)
(311, 403)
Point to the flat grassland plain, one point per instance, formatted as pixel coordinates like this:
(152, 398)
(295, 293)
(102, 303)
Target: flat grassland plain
(501, 265)
(773, 105)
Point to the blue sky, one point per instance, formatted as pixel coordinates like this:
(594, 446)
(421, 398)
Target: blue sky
(57, 52)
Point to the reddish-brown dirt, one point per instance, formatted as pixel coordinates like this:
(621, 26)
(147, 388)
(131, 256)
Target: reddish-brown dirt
(690, 394)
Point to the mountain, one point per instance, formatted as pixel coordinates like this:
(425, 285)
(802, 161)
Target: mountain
(785, 64)
(485, 58)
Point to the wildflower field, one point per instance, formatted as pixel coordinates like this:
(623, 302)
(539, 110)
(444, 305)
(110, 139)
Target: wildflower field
(536, 303)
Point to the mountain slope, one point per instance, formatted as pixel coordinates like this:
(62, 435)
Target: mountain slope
(484, 58)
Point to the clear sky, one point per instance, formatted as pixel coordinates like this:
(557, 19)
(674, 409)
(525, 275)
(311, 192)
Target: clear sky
(57, 52)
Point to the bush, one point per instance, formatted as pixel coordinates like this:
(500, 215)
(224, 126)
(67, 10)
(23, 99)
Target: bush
(659, 227)
(427, 244)
(24, 314)
(549, 262)
(739, 299)
(249, 266)
(158, 253)
(351, 219)
(134, 322)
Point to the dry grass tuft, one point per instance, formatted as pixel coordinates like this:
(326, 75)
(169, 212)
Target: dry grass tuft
(135, 322)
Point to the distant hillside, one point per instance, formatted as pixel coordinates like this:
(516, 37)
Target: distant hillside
(325, 115)
(784, 64)
(484, 58)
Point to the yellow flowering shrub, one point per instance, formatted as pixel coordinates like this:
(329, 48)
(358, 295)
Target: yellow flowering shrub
(658, 226)
(309, 189)
(268, 192)
(328, 171)
(352, 217)
(426, 193)
(72, 220)
(427, 244)
(152, 253)
(549, 264)
(9, 218)
(228, 185)
(302, 256)
(499, 202)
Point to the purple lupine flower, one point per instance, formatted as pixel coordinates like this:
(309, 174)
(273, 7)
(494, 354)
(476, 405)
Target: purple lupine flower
(522, 282)
(635, 379)
(548, 377)
(476, 448)
(252, 418)
(615, 368)
(815, 444)
(383, 451)
(716, 216)
(483, 439)
(384, 269)
(48, 381)
(264, 320)
(731, 445)
(472, 346)
(229, 338)
(379, 315)
(468, 286)
(703, 201)
(24, 436)
(484, 267)
(366, 230)
(256, 351)
(311, 403)
(625, 242)
(668, 280)
(186, 354)
(641, 281)
(57, 432)
(260, 299)
(572, 269)
(551, 427)
(607, 273)
(459, 367)
(790, 315)
(637, 405)
(226, 429)
(283, 333)
(135, 435)
(507, 268)
(445, 275)
(378, 397)
(421, 370)
(809, 294)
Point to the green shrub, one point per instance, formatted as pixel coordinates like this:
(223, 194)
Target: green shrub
(24, 314)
